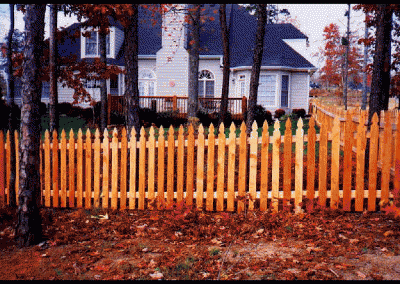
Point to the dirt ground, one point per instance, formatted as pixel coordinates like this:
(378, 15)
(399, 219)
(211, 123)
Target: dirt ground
(183, 243)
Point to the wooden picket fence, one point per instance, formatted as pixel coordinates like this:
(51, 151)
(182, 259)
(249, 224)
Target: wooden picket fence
(214, 172)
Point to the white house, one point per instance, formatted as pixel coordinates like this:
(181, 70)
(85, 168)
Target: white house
(163, 58)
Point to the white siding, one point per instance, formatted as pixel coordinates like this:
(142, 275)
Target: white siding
(172, 74)
(299, 90)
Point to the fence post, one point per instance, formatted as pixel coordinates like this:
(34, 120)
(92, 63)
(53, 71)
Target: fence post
(244, 107)
(174, 103)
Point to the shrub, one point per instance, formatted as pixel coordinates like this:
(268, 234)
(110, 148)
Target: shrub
(299, 112)
(64, 108)
(260, 115)
(279, 112)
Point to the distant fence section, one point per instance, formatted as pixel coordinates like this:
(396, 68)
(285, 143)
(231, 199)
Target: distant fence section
(236, 106)
(220, 169)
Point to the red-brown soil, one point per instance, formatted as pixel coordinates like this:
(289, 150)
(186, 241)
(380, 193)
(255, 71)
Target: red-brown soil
(187, 244)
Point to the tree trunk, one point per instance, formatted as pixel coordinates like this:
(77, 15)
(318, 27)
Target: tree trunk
(226, 64)
(193, 82)
(131, 96)
(53, 99)
(257, 59)
(365, 73)
(11, 115)
(103, 82)
(28, 230)
(380, 86)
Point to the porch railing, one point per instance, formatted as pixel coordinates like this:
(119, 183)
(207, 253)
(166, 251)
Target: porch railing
(236, 106)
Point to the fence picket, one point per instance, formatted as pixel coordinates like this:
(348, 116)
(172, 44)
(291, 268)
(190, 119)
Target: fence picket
(335, 163)
(142, 165)
(242, 168)
(347, 162)
(231, 168)
(2, 170)
(160, 167)
(200, 168)
(54, 157)
(221, 168)
(322, 162)
(123, 177)
(373, 162)
(396, 183)
(151, 168)
(287, 163)
(299, 165)
(179, 165)
(190, 166)
(63, 169)
(311, 162)
(96, 176)
(88, 171)
(387, 153)
(275, 166)
(170, 169)
(114, 169)
(361, 144)
(16, 166)
(47, 172)
(210, 168)
(79, 170)
(106, 167)
(253, 165)
(264, 168)
(132, 168)
(71, 168)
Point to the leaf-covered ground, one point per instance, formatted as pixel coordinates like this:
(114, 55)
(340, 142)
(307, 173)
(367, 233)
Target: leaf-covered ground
(187, 244)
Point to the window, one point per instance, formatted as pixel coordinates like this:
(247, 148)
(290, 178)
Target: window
(267, 90)
(284, 90)
(45, 89)
(242, 85)
(206, 84)
(92, 44)
(147, 83)
(90, 84)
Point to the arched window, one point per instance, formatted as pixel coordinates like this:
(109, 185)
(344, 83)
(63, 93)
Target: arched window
(206, 84)
(147, 83)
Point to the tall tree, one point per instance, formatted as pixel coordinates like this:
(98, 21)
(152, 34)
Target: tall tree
(226, 64)
(379, 97)
(53, 98)
(28, 230)
(131, 95)
(103, 82)
(193, 83)
(11, 107)
(261, 13)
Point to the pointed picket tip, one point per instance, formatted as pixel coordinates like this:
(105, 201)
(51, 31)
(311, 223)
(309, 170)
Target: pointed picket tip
(211, 129)
(88, 134)
(265, 124)
(232, 128)
(71, 133)
(123, 131)
(276, 125)
(191, 129)
(375, 118)
(97, 133)
(105, 133)
(63, 134)
(47, 134)
(55, 134)
(161, 131)
(300, 123)
(171, 130)
(151, 131)
(221, 128)
(142, 131)
(288, 123)
(181, 130)
(79, 132)
(243, 127)
(133, 133)
(201, 129)
(254, 126)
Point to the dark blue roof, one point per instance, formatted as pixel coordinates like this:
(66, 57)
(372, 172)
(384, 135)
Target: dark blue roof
(242, 27)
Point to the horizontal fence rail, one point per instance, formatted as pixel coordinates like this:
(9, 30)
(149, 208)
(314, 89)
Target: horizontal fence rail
(217, 171)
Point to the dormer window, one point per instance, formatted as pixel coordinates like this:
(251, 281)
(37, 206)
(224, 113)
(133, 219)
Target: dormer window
(91, 45)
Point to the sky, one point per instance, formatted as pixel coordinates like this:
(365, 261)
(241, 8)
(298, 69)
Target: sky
(311, 17)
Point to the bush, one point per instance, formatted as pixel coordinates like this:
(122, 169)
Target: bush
(279, 113)
(299, 112)
(64, 108)
(260, 115)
